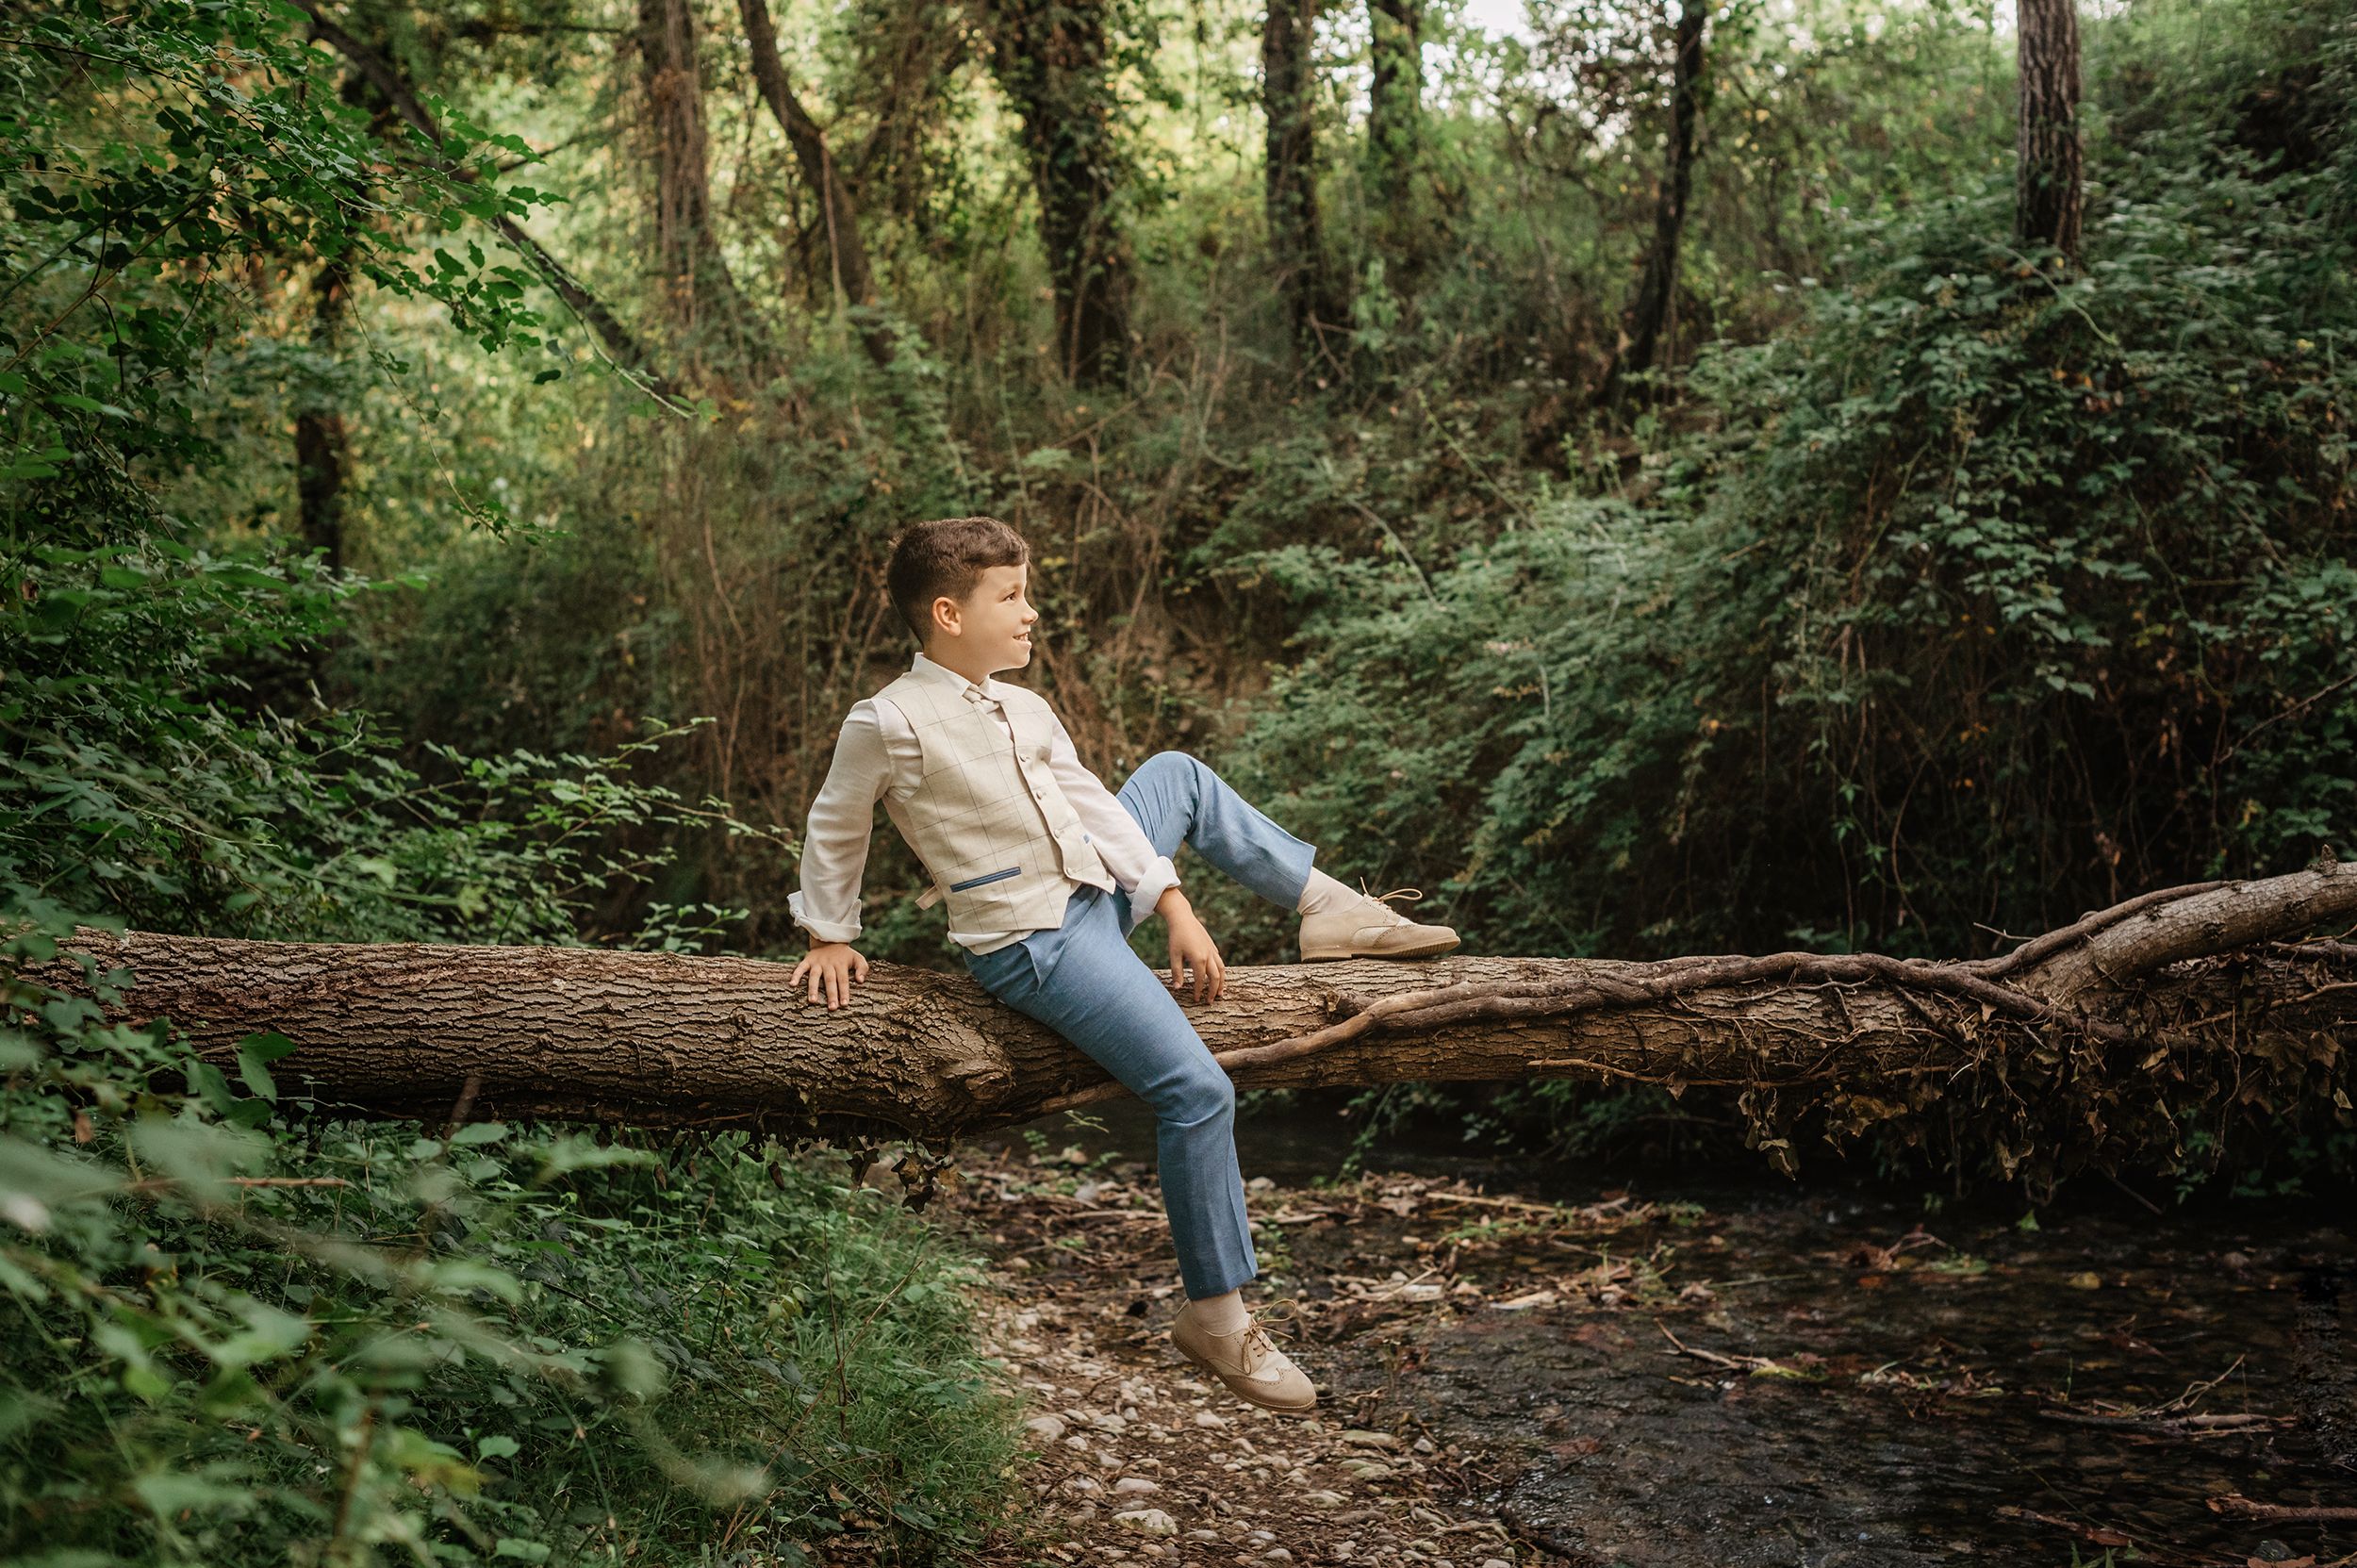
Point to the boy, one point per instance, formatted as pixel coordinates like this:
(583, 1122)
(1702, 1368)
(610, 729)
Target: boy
(1045, 873)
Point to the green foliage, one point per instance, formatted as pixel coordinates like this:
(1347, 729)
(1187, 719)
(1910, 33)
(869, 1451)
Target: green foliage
(239, 1333)
(1995, 591)
(136, 160)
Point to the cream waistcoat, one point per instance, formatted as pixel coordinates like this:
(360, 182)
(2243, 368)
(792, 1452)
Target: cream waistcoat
(996, 833)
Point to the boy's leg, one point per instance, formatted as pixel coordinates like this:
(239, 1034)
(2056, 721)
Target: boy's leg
(1084, 981)
(1177, 798)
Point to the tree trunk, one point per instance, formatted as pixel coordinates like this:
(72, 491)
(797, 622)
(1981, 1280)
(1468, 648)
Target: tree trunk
(703, 297)
(1297, 240)
(1396, 125)
(320, 448)
(2046, 197)
(851, 281)
(1656, 291)
(1052, 59)
(2108, 1041)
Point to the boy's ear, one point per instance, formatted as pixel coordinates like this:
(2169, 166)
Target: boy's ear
(947, 617)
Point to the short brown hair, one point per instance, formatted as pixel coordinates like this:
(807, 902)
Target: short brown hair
(944, 558)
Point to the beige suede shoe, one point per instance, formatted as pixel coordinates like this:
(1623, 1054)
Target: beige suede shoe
(1371, 928)
(1254, 1370)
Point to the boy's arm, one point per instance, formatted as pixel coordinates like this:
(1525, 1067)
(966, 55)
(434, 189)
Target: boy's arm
(1120, 843)
(834, 856)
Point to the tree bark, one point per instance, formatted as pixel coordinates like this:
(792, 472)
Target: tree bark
(1297, 240)
(851, 281)
(1053, 59)
(703, 296)
(2095, 1043)
(2047, 171)
(1656, 291)
(320, 446)
(1395, 124)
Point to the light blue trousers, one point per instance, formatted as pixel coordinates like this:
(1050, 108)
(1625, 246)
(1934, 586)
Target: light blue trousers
(1082, 980)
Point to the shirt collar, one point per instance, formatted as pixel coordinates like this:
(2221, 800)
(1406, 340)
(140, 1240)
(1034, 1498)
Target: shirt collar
(987, 689)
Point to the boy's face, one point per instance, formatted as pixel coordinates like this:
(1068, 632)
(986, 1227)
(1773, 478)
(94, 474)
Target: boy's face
(991, 630)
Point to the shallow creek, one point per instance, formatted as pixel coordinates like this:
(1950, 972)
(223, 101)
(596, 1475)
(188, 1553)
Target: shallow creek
(1857, 1377)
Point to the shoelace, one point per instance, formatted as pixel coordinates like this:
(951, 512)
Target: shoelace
(1412, 894)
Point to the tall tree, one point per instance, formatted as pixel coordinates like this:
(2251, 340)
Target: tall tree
(1297, 241)
(703, 296)
(851, 281)
(1656, 291)
(1054, 60)
(1395, 118)
(2047, 167)
(321, 447)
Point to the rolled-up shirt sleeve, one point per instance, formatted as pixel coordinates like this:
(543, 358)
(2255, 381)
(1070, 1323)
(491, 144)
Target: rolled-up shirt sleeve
(1121, 844)
(834, 837)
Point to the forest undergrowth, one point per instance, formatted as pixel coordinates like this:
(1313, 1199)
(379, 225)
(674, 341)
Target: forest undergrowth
(446, 483)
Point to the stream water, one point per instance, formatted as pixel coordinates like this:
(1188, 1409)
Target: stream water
(1931, 1406)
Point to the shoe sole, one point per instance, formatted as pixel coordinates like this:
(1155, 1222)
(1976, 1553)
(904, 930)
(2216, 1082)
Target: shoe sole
(1430, 950)
(1200, 1364)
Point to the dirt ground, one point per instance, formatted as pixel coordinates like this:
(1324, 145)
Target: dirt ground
(1799, 1379)
(1140, 1462)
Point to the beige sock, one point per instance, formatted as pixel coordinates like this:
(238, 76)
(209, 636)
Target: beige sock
(1222, 1314)
(1323, 894)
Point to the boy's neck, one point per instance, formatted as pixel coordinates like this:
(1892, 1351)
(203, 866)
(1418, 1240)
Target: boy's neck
(946, 657)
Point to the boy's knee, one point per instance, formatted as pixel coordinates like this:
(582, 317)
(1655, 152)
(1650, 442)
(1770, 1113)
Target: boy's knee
(1203, 1094)
(1169, 764)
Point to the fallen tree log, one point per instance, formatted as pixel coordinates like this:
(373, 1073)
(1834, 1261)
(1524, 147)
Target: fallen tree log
(2117, 1038)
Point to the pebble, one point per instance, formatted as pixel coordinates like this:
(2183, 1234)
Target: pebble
(1047, 1427)
(1334, 1499)
(1077, 1484)
(1210, 1418)
(1278, 1554)
(1495, 1562)
(1370, 1439)
(1136, 1483)
(1152, 1521)
(1076, 1443)
(1111, 1424)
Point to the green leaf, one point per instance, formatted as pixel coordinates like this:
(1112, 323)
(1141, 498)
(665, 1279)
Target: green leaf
(255, 1054)
(498, 1447)
(479, 1132)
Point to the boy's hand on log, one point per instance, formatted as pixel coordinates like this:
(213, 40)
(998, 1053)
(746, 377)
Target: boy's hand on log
(831, 967)
(1191, 948)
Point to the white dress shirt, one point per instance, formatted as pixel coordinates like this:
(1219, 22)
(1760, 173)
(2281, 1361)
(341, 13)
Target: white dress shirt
(877, 758)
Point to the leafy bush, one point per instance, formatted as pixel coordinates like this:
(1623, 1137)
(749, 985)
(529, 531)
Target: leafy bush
(1997, 593)
(242, 1333)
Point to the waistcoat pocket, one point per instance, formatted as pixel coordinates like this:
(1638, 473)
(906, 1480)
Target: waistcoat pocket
(978, 882)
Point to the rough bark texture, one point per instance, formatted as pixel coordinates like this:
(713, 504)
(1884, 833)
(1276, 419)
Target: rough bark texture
(851, 281)
(1297, 240)
(1053, 59)
(1395, 121)
(1656, 291)
(320, 448)
(2093, 1043)
(703, 295)
(2047, 172)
